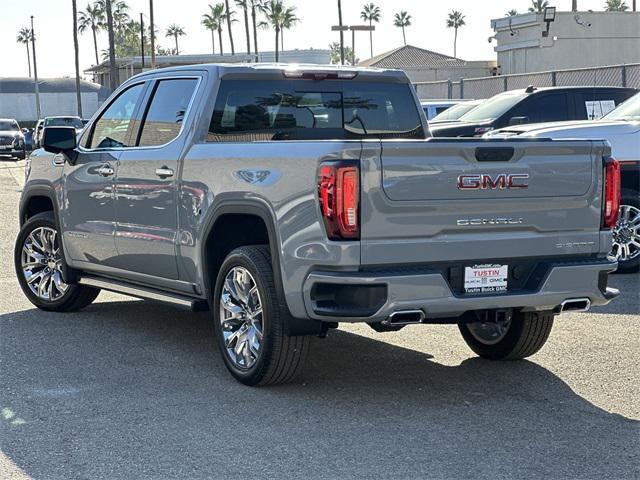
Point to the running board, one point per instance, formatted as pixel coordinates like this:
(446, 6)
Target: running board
(146, 293)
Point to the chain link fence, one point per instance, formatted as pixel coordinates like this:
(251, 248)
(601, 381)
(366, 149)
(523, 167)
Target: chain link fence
(478, 88)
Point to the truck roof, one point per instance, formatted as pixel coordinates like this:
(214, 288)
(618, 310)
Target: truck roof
(266, 69)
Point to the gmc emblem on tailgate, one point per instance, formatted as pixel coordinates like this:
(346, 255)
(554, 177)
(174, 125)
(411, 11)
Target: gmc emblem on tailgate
(485, 181)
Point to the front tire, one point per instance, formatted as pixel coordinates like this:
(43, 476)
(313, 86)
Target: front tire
(250, 321)
(39, 261)
(520, 337)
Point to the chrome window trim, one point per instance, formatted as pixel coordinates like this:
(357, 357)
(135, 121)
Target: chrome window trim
(187, 116)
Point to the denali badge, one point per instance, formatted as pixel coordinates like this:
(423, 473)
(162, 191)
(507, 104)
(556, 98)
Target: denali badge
(468, 222)
(485, 181)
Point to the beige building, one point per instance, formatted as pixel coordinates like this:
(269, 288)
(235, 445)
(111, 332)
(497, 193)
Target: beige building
(574, 40)
(423, 65)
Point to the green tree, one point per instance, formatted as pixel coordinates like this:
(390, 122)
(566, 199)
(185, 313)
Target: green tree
(289, 19)
(512, 13)
(210, 24)
(371, 13)
(335, 57)
(92, 18)
(455, 20)
(538, 5)
(217, 17)
(274, 12)
(24, 37)
(402, 20)
(175, 31)
(616, 6)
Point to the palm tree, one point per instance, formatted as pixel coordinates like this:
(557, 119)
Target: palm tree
(289, 19)
(74, 8)
(341, 32)
(455, 20)
(244, 4)
(256, 5)
(229, 17)
(211, 24)
(24, 37)
(92, 18)
(175, 31)
(113, 68)
(119, 13)
(512, 13)
(538, 5)
(217, 16)
(616, 6)
(402, 19)
(370, 13)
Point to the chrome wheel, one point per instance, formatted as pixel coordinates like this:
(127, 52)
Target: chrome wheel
(489, 333)
(41, 262)
(241, 318)
(626, 235)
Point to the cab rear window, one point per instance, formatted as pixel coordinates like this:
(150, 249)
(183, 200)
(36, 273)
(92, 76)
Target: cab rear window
(272, 110)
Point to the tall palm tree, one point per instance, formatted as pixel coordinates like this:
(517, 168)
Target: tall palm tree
(119, 13)
(244, 5)
(113, 68)
(512, 13)
(289, 19)
(538, 5)
(273, 11)
(92, 18)
(256, 6)
(229, 17)
(616, 6)
(402, 20)
(455, 20)
(74, 8)
(24, 37)
(371, 13)
(218, 16)
(175, 31)
(211, 24)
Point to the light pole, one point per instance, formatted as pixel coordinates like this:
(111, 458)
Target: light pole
(35, 70)
(153, 35)
(77, 61)
(142, 41)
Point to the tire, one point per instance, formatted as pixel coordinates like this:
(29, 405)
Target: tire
(524, 336)
(278, 357)
(630, 202)
(58, 297)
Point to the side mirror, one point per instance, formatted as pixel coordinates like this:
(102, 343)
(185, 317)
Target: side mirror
(60, 140)
(518, 121)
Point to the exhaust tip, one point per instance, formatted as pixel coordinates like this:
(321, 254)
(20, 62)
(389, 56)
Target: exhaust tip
(404, 317)
(575, 305)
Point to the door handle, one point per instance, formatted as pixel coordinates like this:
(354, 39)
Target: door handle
(106, 170)
(164, 172)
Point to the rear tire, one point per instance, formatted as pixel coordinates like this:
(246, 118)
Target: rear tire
(524, 336)
(38, 268)
(250, 321)
(630, 205)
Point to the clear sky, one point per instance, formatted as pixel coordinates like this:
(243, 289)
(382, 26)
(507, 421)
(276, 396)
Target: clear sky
(54, 47)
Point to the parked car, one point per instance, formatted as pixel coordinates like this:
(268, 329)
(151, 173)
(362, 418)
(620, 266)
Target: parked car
(621, 128)
(454, 113)
(535, 105)
(435, 107)
(75, 122)
(11, 139)
(37, 134)
(229, 196)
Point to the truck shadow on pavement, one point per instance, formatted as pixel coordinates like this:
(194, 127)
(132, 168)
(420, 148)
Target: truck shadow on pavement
(137, 390)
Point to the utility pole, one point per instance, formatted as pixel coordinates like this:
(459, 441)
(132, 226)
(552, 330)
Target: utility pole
(113, 68)
(75, 51)
(153, 35)
(341, 32)
(35, 70)
(142, 40)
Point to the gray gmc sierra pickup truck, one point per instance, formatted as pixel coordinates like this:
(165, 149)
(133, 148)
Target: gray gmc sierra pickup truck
(287, 200)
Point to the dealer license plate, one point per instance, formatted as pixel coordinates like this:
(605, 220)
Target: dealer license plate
(486, 278)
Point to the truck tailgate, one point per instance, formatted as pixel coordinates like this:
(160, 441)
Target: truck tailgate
(444, 200)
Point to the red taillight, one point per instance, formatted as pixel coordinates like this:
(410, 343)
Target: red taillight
(338, 190)
(611, 193)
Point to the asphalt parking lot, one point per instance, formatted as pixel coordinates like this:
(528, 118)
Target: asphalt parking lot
(134, 390)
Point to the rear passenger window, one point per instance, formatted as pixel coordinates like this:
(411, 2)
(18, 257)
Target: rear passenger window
(544, 108)
(249, 110)
(163, 120)
(594, 106)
